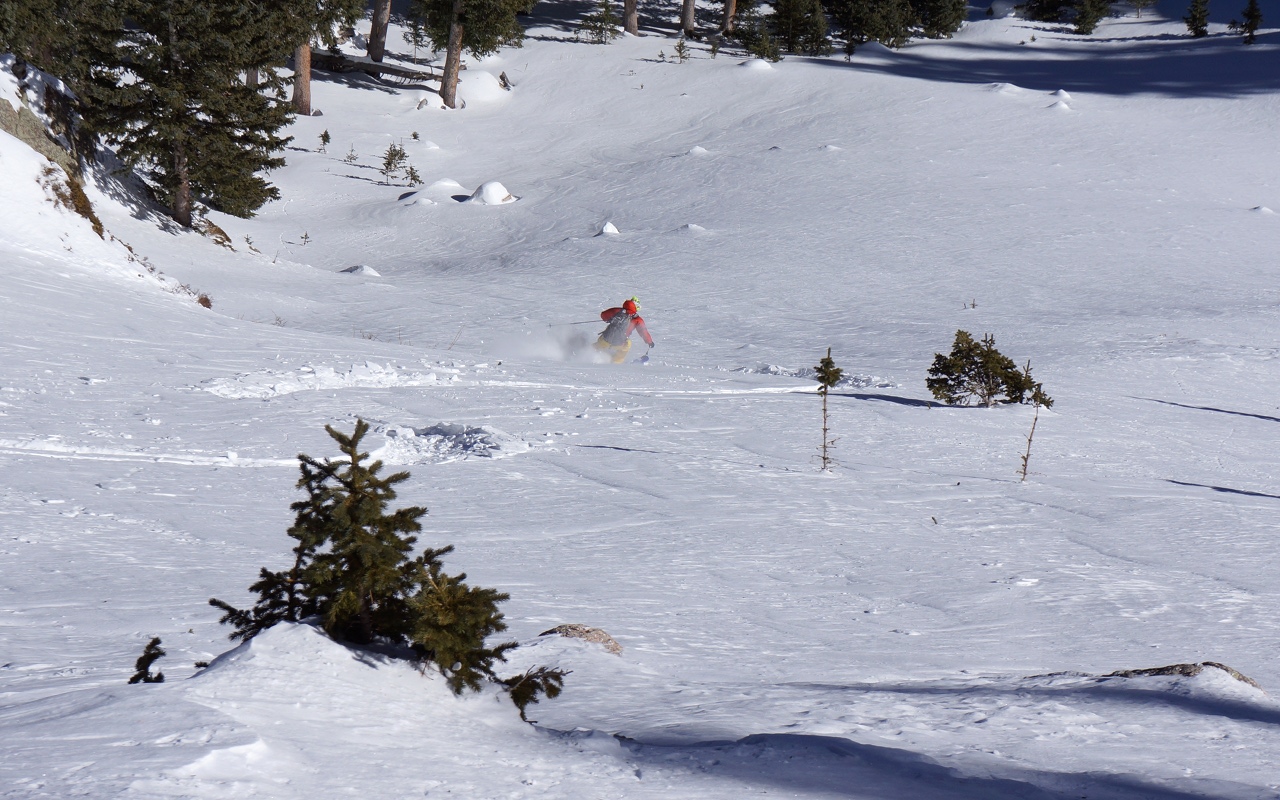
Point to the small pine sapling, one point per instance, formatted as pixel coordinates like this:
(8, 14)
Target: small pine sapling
(393, 161)
(601, 25)
(1197, 18)
(1138, 5)
(978, 371)
(414, 136)
(304, 239)
(324, 141)
(411, 176)
(1026, 457)
(681, 51)
(1252, 21)
(352, 568)
(828, 375)
(150, 655)
(351, 155)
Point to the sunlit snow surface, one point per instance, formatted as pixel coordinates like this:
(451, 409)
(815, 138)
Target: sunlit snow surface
(917, 623)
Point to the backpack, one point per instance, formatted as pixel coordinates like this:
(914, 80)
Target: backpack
(616, 332)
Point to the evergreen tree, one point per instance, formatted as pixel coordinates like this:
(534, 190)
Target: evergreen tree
(755, 33)
(1252, 21)
(801, 26)
(377, 46)
(1089, 13)
(889, 22)
(828, 375)
(978, 371)
(353, 569)
(478, 27)
(940, 18)
(601, 25)
(1197, 18)
(167, 88)
(1045, 10)
(142, 666)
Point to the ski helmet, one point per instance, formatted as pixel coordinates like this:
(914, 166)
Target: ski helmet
(631, 306)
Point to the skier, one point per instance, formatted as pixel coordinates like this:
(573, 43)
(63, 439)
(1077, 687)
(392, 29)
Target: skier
(615, 339)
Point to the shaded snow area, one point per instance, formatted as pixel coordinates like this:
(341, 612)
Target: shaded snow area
(918, 622)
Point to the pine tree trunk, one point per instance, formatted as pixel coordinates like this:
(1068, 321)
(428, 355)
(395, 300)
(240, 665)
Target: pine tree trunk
(302, 80)
(378, 33)
(452, 59)
(689, 19)
(181, 203)
(730, 12)
(631, 17)
(251, 78)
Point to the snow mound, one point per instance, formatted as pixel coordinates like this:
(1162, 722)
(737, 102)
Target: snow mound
(691, 228)
(697, 150)
(446, 442)
(483, 88)
(608, 229)
(445, 184)
(1262, 210)
(363, 269)
(847, 381)
(873, 49)
(427, 144)
(757, 65)
(1061, 94)
(1059, 106)
(1005, 88)
(832, 148)
(1207, 681)
(262, 385)
(492, 193)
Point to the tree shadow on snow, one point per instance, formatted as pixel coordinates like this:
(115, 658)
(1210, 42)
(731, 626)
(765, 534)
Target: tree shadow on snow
(1215, 66)
(1210, 408)
(841, 767)
(1224, 489)
(1106, 689)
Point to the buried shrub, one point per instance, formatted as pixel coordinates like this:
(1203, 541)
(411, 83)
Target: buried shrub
(977, 371)
(353, 570)
(150, 655)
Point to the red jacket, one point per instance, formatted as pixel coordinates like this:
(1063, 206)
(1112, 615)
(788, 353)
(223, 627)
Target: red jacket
(637, 324)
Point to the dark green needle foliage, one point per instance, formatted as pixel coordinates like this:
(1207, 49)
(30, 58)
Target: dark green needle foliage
(166, 86)
(940, 18)
(828, 375)
(977, 371)
(801, 26)
(478, 27)
(1045, 10)
(1197, 18)
(889, 22)
(150, 655)
(1252, 21)
(754, 32)
(354, 569)
(1089, 13)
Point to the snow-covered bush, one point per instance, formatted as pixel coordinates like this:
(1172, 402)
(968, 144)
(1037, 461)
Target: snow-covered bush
(978, 371)
(352, 570)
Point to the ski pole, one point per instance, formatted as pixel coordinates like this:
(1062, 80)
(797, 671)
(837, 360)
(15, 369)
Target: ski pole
(563, 324)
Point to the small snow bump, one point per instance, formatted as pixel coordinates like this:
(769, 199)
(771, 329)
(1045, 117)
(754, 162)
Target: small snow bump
(691, 228)
(757, 65)
(363, 269)
(1059, 106)
(1262, 210)
(832, 147)
(1061, 94)
(1005, 88)
(608, 229)
(697, 150)
(492, 193)
(445, 183)
(430, 145)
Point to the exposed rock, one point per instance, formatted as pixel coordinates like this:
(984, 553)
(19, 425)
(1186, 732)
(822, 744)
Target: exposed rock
(576, 631)
(1188, 670)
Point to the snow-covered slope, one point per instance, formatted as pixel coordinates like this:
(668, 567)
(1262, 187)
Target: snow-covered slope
(915, 623)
